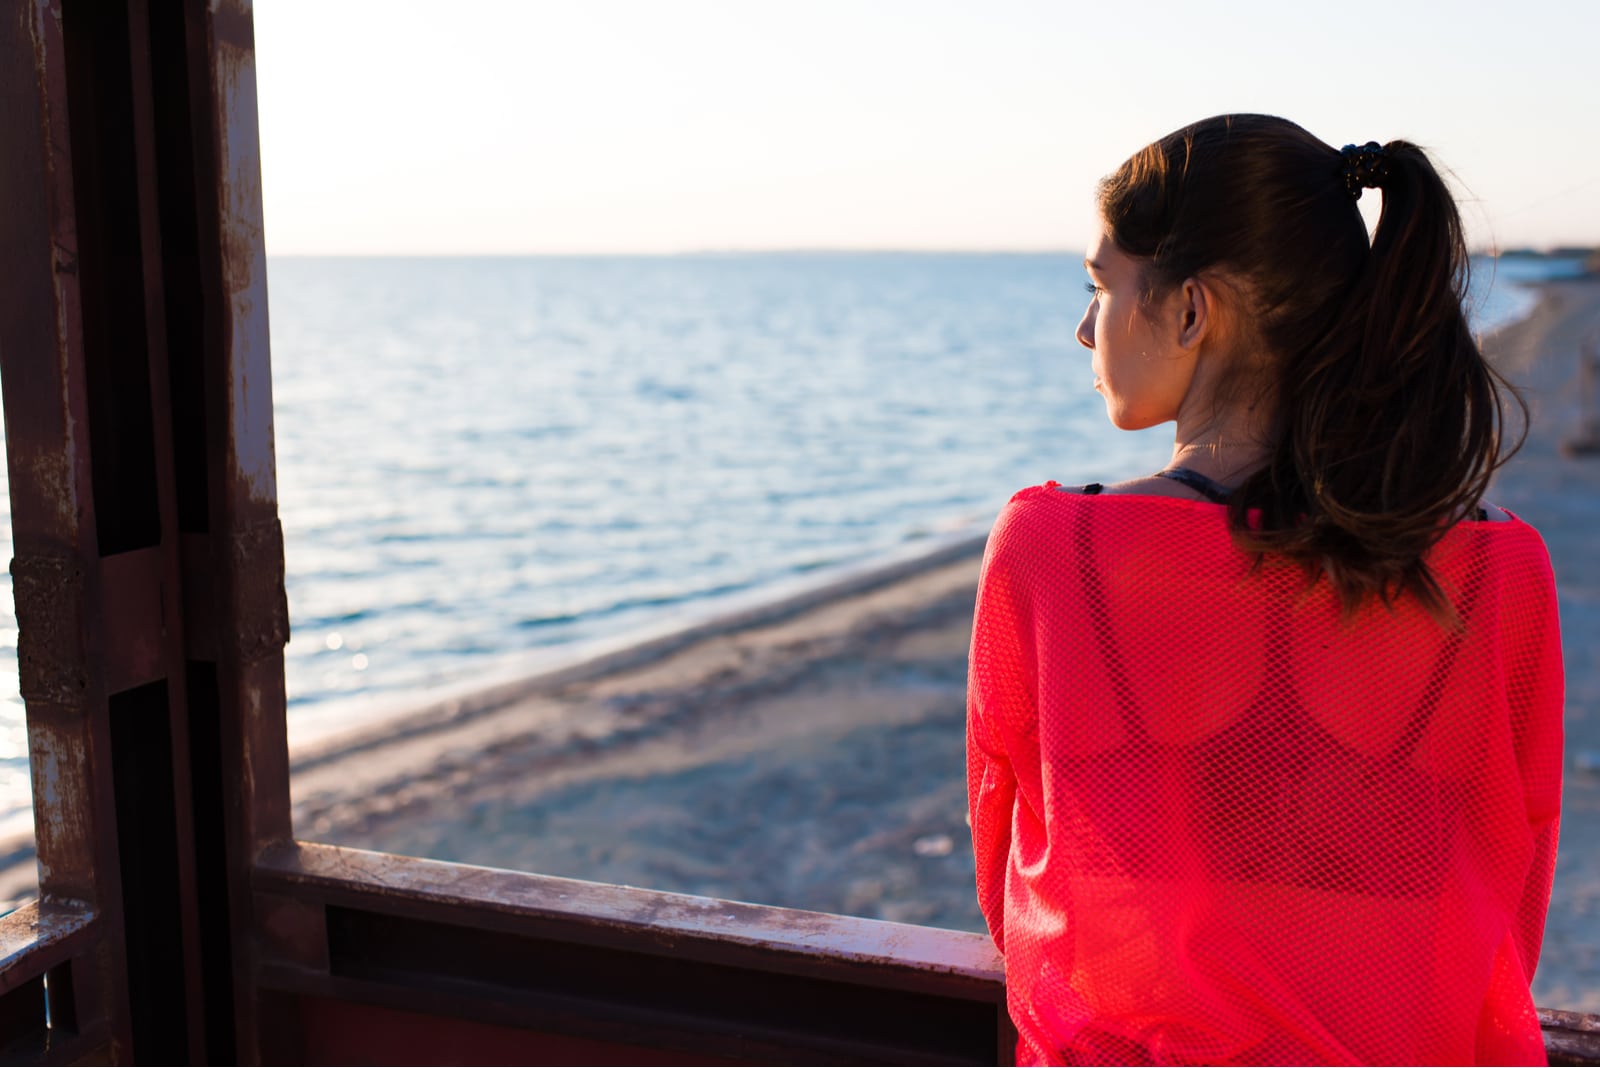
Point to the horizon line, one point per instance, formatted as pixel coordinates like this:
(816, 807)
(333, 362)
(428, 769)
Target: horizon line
(1556, 250)
(660, 254)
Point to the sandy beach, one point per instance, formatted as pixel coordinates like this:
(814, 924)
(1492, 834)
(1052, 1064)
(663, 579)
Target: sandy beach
(810, 754)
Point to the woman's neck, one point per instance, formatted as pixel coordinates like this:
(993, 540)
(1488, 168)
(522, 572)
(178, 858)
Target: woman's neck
(1226, 448)
(1226, 419)
(1226, 462)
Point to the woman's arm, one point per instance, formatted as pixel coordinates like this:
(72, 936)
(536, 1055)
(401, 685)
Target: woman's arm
(1000, 703)
(991, 795)
(1538, 696)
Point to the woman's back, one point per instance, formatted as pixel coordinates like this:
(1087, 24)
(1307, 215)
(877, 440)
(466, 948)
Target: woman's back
(1218, 820)
(1273, 779)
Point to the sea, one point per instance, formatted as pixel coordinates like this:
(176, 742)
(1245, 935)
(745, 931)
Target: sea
(487, 464)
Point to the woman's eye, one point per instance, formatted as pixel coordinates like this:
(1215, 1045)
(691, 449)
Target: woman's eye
(1092, 289)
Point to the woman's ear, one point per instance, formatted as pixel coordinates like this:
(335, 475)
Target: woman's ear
(1196, 311)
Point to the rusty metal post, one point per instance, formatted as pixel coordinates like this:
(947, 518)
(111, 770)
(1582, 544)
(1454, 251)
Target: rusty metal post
(148, 566)
(238, 650)
(55, 571)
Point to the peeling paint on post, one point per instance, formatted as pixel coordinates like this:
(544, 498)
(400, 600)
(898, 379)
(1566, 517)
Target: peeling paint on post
(244, 256)
(263, 605)
(63, 800)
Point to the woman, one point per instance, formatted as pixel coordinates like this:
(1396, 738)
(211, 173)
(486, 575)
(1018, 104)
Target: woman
(1265, 749)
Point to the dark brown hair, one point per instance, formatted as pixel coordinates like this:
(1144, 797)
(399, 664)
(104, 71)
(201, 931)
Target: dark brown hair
(1388, 422)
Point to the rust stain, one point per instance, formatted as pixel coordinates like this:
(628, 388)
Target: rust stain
(50, 656)
(260, 601)
(52, 476)
(39, 927)
(233, 24)
(54, 471)
(37, 32)
(62, 805)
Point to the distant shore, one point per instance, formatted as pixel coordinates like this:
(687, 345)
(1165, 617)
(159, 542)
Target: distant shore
(810, 753)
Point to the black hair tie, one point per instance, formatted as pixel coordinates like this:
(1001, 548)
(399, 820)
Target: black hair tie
(1365, 167)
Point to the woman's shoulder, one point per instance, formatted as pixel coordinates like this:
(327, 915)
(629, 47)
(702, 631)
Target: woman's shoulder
(1051, 512)
(1511, 542)
(1046, 504)
(1036, 514)
(1051, 502)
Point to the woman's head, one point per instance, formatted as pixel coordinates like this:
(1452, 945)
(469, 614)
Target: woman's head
(1145, 355)
(1385, 421)
(1250, 198)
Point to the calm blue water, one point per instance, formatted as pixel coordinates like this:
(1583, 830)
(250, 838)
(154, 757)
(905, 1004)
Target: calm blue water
(482, 457)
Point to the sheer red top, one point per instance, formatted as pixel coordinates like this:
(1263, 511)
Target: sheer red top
(1216, 822)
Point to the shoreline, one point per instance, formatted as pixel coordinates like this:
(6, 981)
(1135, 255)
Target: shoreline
(388, 719)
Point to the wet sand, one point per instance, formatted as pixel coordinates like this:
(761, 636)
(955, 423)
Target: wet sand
(810, 754)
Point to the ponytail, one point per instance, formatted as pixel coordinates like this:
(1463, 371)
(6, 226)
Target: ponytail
(1389, 422)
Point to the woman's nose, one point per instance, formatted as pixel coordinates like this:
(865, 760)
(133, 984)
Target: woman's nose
(1085, 333)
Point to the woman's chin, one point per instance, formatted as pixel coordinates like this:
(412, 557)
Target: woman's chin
(1123, 419)
(1115, 413)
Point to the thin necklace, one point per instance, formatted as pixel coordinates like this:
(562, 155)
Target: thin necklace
(1214, 449)
(1214, 445)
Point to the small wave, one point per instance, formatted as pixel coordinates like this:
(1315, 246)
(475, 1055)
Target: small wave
(545, 622)
(657, 390)
(667, 600)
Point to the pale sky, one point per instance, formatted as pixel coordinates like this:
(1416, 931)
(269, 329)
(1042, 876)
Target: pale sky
(396, 126)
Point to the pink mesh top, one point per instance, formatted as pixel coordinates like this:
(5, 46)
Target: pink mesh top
(1216, 823)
